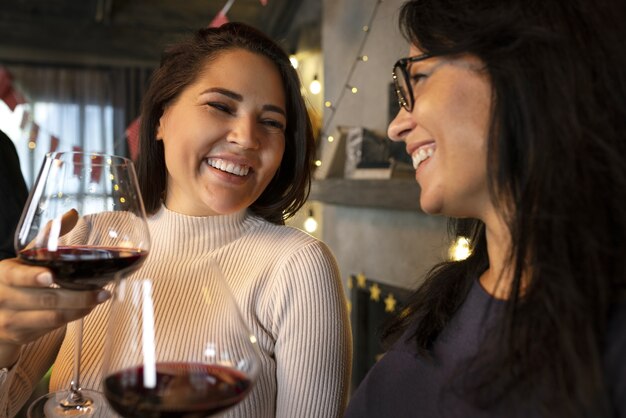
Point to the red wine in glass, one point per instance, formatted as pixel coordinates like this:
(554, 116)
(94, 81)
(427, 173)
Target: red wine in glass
(85, 221)
(84, 267)
(175, 390)
(187, 357)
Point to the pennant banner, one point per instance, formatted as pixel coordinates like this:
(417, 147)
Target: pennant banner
(25, 119)
(132, 138)
(54, 143)
(8, 93)
(77, 160)
(96, 168)
(220, 18)
(33, 135)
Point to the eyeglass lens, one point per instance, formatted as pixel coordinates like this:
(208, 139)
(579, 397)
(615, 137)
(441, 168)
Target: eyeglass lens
(402, 86)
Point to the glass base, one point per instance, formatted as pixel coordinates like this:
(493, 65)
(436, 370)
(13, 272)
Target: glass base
(60, 404)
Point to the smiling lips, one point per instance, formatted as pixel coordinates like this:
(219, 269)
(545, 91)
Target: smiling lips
(422, 154)
(228, 166)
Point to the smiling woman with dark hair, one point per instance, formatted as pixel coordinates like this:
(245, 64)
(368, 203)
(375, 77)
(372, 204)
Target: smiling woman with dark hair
(514, 113)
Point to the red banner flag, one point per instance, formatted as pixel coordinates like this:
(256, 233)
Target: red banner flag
(54, 143)
(33, 135)
(6, 81)
(77, 160)
(218, 20)
(25, 119)
(132, 138)
(13, 98)
(96, 168)
(8, 93)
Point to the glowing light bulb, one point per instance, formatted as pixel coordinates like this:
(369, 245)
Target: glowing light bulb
(310, 224)
(315, 87)
(460, 249)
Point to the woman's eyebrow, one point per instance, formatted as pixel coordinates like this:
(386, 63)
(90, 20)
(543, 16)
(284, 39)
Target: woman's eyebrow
(238, 97)
(274, 108)
(228, 93)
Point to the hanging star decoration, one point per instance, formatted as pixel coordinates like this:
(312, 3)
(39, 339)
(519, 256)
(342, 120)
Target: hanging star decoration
(360, 280)
(390, 303)
(375, 292)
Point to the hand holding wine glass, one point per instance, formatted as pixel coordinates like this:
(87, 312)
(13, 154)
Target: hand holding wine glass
(147, 372)
(85, 222)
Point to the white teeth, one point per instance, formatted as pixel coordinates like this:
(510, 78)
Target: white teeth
(422, 154)
(227, 166)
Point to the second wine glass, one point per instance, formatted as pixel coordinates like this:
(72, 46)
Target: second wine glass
(167, 356)
(86, 222)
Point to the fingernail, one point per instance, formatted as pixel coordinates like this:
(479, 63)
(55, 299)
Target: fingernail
(44, 278)
(103, 295)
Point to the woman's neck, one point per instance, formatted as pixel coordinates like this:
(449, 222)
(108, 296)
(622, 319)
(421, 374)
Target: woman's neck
(497, 280)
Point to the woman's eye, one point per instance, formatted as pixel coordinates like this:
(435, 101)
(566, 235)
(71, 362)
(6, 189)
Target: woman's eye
(416, 78)
(220, 106)
(273, 124)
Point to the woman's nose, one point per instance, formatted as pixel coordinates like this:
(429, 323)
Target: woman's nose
(243, 133)
(401, 125)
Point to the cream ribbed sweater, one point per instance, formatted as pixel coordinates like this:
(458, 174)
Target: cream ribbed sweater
(288, 288)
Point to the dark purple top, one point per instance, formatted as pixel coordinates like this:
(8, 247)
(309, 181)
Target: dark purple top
(404, 384)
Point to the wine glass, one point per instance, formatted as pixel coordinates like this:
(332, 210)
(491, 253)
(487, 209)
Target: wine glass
(85, 221)
(172, 356)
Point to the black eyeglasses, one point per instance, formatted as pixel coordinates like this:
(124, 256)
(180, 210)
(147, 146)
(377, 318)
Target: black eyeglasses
(402, 80)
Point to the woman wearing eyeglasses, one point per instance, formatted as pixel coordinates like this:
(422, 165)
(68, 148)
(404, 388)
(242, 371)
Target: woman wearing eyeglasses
(514, 114)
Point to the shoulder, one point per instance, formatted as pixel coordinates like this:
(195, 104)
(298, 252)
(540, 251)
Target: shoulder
(284, 240)
(293, 253)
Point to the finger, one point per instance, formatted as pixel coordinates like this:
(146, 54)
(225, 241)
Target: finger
(15, 273)
(68, 221)
(21, 298)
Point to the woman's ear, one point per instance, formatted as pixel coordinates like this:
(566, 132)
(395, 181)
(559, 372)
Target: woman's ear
(159, 131)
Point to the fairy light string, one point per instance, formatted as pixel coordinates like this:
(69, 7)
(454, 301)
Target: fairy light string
(333, 107)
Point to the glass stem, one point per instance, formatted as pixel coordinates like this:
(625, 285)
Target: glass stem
(77, 353)
(75, 398)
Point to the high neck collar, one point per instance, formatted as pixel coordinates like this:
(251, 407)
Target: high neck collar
(197, 234)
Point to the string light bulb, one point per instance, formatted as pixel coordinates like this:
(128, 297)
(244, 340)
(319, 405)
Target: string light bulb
(460, 249)
(310, 224)
(315, 87)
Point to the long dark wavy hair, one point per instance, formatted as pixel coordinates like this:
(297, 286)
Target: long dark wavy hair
(557, 170)
(180, 66)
